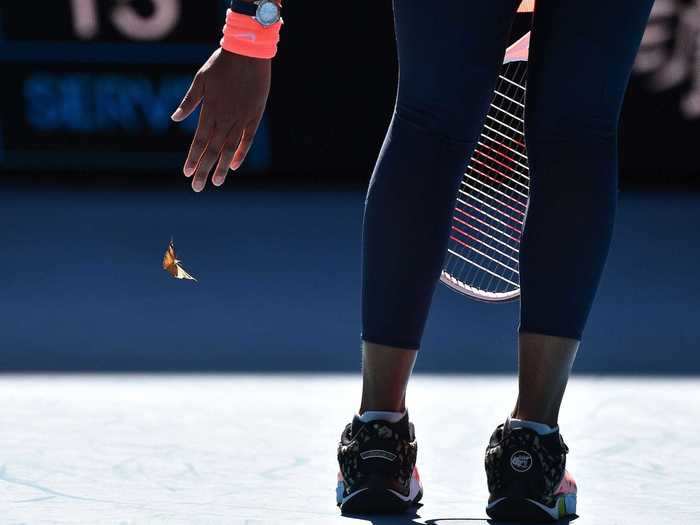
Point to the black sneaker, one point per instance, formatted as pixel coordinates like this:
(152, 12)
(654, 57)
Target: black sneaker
(527, 476)
(378, 467)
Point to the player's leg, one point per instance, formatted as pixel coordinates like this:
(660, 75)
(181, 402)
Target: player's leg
(385, 374)
(449, 57)
(544, 365)
(581, 56)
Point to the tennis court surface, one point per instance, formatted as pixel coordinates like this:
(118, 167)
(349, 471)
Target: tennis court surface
(258, 449)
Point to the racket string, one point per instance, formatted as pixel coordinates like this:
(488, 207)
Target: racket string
(492, 200)
(511, 91)
(472, 253)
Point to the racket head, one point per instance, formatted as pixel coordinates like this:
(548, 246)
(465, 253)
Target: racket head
(482, 260)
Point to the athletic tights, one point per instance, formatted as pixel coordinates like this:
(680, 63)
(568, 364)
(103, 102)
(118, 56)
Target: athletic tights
(450, 53)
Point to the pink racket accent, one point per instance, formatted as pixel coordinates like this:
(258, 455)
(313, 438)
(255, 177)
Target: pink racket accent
(526, 6)
(519, 50)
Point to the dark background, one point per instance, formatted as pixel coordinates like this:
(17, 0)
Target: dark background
(99, 104)
(91, 190)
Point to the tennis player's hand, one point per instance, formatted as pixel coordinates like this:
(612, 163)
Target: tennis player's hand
(233, 92)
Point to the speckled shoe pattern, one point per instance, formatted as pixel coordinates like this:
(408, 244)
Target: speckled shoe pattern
(527, 477)
(378, 458)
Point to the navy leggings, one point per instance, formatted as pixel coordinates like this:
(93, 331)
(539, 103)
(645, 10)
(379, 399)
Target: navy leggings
(450, 53)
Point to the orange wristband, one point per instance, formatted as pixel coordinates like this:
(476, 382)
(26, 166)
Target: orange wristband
(243, 35)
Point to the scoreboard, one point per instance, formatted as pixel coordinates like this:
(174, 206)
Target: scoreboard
(92, 83)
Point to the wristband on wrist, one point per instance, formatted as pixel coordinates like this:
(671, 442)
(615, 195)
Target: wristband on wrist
(244, 35)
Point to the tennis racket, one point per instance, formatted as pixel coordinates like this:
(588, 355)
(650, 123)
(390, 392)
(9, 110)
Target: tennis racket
(484, 244)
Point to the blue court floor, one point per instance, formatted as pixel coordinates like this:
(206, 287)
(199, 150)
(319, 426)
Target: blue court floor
(279, 272)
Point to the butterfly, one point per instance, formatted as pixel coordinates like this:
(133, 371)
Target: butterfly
(172, 265)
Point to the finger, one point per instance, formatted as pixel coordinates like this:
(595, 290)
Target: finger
(207, 161)
(201, 138)
(244, 146)
(192, 99)
(226, 157)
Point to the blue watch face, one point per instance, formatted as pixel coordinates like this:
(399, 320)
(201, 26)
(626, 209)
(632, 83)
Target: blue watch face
(268, 13)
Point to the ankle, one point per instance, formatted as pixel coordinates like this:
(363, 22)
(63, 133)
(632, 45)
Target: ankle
(539, 418)
(382, 415)
(540, 428)
(381, 405)
(385, 374)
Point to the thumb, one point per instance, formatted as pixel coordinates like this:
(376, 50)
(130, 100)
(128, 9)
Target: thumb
(192, 99)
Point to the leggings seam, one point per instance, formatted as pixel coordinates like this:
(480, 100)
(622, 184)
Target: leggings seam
(441, 136)
(390, 342)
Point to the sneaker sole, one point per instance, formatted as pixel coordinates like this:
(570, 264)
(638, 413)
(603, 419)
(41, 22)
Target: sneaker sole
(375, 499)
(525, 509)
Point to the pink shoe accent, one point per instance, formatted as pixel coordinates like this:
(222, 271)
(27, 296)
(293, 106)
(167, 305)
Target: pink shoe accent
(567, 485)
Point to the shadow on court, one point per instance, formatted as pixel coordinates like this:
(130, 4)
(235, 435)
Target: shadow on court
(417, 519)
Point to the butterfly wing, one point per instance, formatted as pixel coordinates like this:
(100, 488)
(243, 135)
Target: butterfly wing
(172, 265)
(169, 260)
(182, 274)
(169, 257)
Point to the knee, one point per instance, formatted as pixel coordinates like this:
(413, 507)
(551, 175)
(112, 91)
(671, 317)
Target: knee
(569, 125)
(563, 117)
(450, 109)
(439, 119)
(572, 152)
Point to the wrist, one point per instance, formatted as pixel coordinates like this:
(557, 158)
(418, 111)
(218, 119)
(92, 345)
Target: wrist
(234, 57)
